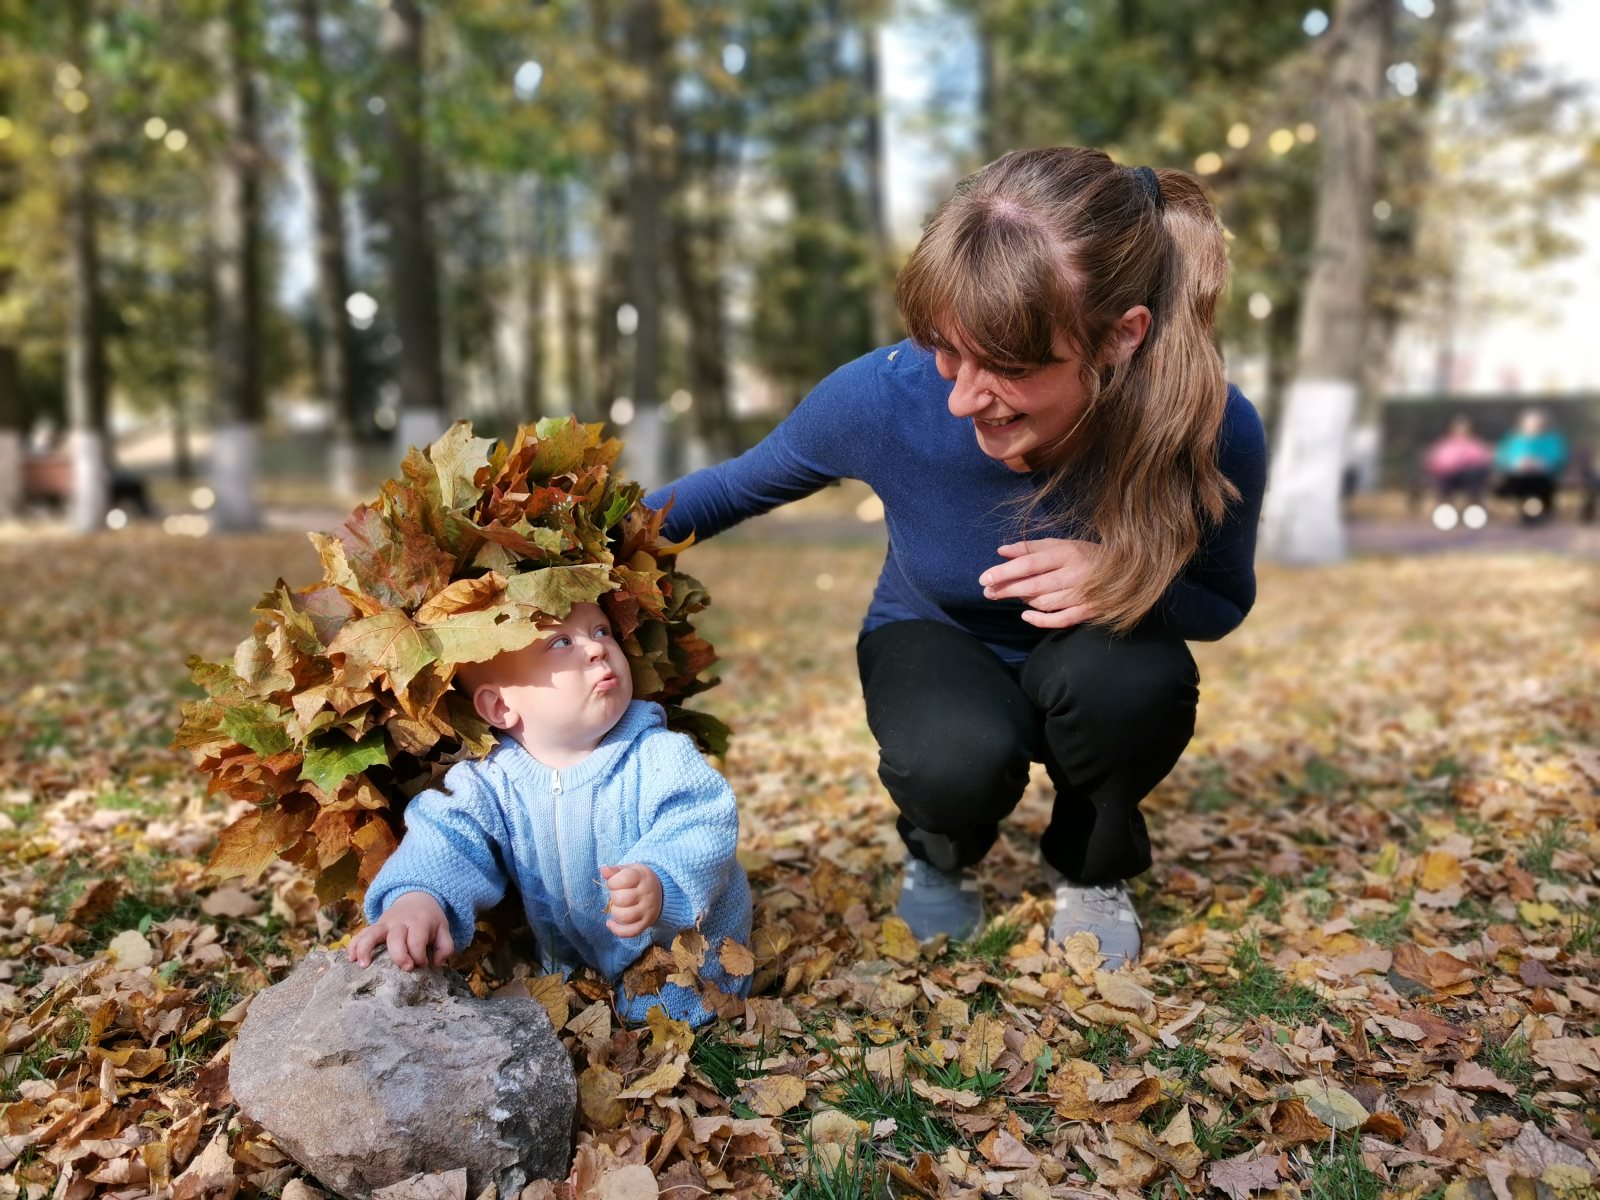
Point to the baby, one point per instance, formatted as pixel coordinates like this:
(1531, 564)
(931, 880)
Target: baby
(615, 832)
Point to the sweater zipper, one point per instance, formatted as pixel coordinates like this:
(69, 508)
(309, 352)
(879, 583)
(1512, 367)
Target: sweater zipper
(555, 783)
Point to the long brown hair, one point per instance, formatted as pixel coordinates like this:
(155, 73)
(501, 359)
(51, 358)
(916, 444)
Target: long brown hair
(1064, 240)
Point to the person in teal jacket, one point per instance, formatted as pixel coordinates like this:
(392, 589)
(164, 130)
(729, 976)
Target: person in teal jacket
(1529, 461)
(615, 832)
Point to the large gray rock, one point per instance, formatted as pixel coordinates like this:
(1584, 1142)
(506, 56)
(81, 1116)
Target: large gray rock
(367, 1076)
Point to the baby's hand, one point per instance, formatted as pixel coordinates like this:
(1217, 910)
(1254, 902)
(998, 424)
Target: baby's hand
(635, 898)
(412, 923)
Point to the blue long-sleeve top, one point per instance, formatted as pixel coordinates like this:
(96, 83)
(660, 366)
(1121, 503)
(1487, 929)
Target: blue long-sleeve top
(884, 419)
(643, 796)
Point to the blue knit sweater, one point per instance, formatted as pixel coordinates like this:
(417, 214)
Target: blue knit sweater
(644, 795)
(883, 419)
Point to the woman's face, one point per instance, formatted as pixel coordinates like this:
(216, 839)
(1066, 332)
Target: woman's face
(1018, 417)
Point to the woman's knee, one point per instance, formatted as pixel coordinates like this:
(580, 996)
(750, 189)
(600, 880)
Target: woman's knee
(951, 783)
(1119, 692)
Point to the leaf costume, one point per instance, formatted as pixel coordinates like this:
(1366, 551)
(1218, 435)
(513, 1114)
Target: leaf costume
(339, 707)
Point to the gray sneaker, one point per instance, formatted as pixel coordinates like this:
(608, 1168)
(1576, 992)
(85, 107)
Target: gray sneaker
(1107, 912)
(934, 901)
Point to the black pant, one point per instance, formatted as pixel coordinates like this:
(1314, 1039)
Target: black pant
(957, 729)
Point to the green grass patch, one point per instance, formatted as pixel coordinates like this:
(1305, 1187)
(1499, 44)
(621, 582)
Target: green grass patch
(1541, 850)
(854, 1175)
(1341, 1175)
(950, 1075)
(1511, 1060)
(991, 945)
(1258, 989)
(1387, 929)
(725, 1062)
(1189, 1061)
(869, 1098)
(1106, 1047)
(1583, 935)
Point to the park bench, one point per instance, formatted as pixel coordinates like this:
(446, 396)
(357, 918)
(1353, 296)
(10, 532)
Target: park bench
(47, 483)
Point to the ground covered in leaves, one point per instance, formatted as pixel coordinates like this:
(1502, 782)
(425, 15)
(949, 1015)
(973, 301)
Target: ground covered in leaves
(1371, 932)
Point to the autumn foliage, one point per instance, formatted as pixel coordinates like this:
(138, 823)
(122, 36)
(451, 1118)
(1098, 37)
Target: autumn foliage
(339, 705)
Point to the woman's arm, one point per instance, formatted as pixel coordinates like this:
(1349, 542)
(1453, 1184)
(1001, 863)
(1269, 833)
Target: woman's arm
(821, 441)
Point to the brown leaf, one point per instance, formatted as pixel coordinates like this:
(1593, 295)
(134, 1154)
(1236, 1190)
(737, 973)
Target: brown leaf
(95, 903)
(736, 959)
(1076, 1077)
(1441, 970)
(1293, 1123)
(1238, 1178)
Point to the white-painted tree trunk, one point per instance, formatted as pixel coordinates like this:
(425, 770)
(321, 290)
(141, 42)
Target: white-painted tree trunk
(1302, 520)
(343, 468)
(233, 477)
(91, 481)
(11, 448)
(644, 453)
(419, 427)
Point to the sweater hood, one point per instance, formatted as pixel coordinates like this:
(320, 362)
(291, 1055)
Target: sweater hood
(638, 719)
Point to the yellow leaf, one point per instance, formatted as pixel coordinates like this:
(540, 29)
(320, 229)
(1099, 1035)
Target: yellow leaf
(598, 1088)
(551, 991)
(1541, 913)
(1388, 859)
(985, 1042)
(898, 942)
(774, 1095)
(668, 1037)
(1439, 871)
(664, 1078)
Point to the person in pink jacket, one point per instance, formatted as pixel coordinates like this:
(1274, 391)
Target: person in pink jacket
(1459, 465)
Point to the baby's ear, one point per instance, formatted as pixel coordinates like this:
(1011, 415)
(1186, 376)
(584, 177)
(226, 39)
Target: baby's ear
(490, 705)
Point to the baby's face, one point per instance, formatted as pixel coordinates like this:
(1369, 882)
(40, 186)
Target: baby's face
(570, 687)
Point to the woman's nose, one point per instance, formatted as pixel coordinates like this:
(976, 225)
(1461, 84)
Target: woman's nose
(967, 397)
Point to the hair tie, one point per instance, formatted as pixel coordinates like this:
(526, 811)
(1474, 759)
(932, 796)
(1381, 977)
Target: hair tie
(1151, 184)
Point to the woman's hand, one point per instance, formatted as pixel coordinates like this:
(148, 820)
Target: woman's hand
(1051, 575)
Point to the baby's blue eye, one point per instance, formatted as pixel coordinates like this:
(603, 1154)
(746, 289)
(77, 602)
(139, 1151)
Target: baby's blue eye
(560, 643)
(602, 631)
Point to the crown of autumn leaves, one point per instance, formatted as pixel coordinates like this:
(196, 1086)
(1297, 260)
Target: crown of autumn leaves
(338, 707)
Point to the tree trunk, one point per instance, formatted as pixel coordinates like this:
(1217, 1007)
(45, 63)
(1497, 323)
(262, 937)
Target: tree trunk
(535, 309)
(649, 140)
(1302, 522)
(876, 168)
(572, 373)
(336, 361)
(698, 228)
(88, 383)
(236, 279)
(413, 270)
(12, 433)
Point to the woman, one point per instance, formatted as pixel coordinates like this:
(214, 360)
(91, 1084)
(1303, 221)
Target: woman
(1071, 490)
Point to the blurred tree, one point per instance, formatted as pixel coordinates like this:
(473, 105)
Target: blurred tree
(13, 411)
(415, 290)
(88, 385)
(336, 360)
(236, 292)
(1301, 522)
(815, 273)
